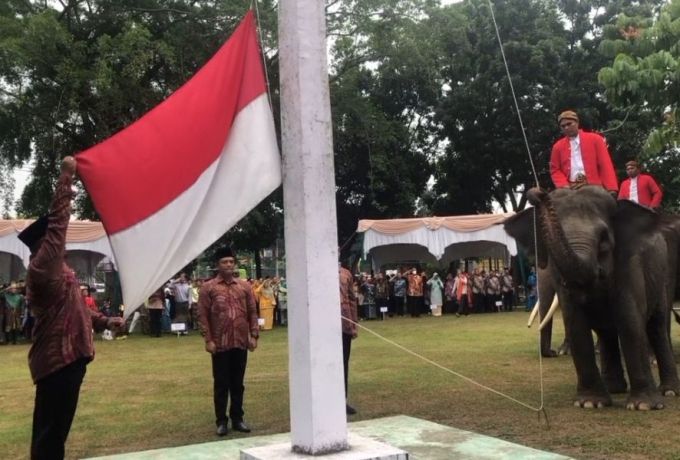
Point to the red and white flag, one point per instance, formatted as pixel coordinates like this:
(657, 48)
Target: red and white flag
(172, 183)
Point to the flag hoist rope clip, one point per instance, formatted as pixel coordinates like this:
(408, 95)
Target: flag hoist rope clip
(533, 169)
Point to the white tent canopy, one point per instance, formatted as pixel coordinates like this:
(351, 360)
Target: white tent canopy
(86, 246)
(436, 240)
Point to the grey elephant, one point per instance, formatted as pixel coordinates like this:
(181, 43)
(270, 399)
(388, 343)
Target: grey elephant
(607, 262)
(670, 229)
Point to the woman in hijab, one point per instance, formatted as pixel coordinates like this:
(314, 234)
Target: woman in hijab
(15, 307)
(436, 288)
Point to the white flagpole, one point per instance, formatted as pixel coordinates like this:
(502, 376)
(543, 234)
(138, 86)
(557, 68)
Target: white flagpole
(317, 395)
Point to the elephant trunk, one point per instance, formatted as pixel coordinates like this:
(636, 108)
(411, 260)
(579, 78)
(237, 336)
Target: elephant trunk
(570, 266)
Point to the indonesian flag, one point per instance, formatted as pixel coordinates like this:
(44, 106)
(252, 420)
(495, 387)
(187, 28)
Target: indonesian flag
(175, 181)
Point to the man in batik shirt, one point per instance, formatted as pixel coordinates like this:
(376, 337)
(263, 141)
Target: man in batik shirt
(350, 330)
(227, 318)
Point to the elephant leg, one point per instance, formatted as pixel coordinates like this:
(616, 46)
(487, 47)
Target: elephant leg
(644, 394)
(590, 391)
(546, 293)
(668, 372)
(565, 348)
(610, 361)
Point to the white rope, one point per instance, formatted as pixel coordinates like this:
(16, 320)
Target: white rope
(533, 169)
(512, 89)
(446, 369)
(540, 354)
(264, 59)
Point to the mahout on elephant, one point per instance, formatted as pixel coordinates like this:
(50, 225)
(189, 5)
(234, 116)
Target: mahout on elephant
(607, 262)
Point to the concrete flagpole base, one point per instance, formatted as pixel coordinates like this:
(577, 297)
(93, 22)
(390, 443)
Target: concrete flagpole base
(362, 448)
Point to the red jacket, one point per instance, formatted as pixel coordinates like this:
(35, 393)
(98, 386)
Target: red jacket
(596, 161)
(649, 193)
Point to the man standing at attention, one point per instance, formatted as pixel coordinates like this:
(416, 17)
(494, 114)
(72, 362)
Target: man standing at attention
(640, 187)
(581, 158)
(350, 331)
(62, 345)
(182, 291)
(227, 318)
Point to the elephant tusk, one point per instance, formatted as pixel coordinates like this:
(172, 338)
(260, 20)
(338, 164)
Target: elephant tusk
(550, 314)
(534, 313)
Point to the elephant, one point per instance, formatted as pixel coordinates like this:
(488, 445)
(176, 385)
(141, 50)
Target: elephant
(670, 229)
(607, 262)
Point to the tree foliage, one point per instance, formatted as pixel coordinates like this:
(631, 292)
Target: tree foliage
(419, 92)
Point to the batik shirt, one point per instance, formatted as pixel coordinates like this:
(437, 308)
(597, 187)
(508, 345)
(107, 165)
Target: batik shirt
(63, 323)
(400, 287)
(415, 285)
(369, 293)
(348, 302)
(382, 289)
(227, 313)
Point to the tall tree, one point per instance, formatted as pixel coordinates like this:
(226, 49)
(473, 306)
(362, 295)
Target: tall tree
(485, 158)
(384, 84)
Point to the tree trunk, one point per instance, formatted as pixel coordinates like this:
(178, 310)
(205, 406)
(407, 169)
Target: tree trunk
(258, 264)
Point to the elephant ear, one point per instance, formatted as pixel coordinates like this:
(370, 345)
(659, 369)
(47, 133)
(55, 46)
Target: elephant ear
(521, 228)
(633, 223)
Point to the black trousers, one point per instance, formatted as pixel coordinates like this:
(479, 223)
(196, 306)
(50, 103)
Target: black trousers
(508, 300)
(479, 302)
(399, 305)
(155, 322)
(56, 399)
(346, 350)
(414, 305)
(463, 305)
(229, 368)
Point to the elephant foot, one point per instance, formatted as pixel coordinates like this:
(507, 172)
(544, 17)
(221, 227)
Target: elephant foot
(644, 402)
(549, 354)
(616, 387)
(588, 401)
(564, 350)
(670, 389)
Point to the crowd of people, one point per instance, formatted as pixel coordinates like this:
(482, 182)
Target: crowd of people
(415, 293)
(177, 303)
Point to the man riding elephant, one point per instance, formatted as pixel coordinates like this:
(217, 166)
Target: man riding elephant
(581, 157)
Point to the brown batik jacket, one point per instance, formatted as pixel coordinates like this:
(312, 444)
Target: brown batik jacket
(348, 302)
(227, 313)
(63, 323)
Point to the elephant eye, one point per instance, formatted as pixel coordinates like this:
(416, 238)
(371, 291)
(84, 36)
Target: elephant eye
(605, 244)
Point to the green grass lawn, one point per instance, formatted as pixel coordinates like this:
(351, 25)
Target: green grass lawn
(145, 393)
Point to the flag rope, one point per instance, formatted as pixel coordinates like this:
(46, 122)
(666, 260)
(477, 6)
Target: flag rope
(254, 4)
(533, 169)
(540, 410)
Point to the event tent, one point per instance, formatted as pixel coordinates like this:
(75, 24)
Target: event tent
(436, 240)
(86, 246)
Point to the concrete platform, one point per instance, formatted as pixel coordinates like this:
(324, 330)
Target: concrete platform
(361, 448)
(423, 440)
